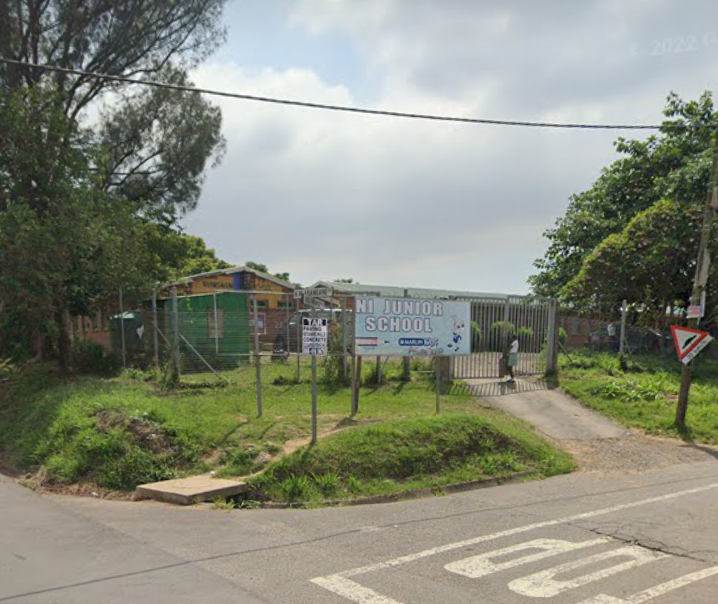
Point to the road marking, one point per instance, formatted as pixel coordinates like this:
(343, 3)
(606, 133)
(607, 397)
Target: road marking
(480, 566)
(544, 585)
(341, 585)
(656, 591)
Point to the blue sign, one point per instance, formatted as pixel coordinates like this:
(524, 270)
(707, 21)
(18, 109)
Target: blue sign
(409, 327)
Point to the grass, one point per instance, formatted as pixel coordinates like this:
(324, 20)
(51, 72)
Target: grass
(123, 431)
(400, 455)
(644, 393)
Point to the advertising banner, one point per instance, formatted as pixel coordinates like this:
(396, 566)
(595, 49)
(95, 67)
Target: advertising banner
(410, 327)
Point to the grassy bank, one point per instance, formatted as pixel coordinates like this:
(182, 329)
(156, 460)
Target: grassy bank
(408, 454)
(644, 395)
(118, 432)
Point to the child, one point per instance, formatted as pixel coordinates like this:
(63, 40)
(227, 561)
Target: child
(513, 357)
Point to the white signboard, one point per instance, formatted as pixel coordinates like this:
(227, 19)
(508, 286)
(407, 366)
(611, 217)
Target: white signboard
(410, 327)
(315, 333)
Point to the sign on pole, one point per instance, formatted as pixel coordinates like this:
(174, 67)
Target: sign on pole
(411, 327)
(314, 292)
(689, 342)
(315, 333)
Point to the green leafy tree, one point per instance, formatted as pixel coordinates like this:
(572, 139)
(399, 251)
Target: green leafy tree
(82, 201)
(673, 165)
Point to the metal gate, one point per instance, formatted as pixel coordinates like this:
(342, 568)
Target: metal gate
(493, 322)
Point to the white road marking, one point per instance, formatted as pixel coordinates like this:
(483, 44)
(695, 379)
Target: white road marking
(341, 585)
(544, 585)
(482, 565)
(656, 591)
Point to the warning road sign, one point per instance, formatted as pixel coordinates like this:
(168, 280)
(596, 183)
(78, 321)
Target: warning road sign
(689, 342)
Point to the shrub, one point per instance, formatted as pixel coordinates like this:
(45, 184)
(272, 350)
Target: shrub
(90, 357)
(295, 488)
(328, 483)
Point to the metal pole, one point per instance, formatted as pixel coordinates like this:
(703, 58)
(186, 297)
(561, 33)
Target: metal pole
(551, 340)
(407, 360)
(216, 326)
(287, 306)
(345, 357)
(314, 387)
(175, 332)
(155, 335)
(624, 310)
(354, 364)
(257, 358)
(437, 362)
(701, 278)
(378, 371)
(299, 341)
(357, 385)
(122, 331)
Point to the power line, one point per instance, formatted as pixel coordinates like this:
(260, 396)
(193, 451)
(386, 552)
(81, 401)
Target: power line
(342, 108)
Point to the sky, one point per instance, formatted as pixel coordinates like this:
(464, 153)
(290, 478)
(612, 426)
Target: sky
(385, 201)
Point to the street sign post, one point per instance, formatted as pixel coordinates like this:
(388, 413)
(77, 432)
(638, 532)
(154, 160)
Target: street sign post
(315, 336)
(314, 292)
(689, 342)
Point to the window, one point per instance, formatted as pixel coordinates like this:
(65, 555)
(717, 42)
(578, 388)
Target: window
(284, 304)
(262, 303)
(215, 323)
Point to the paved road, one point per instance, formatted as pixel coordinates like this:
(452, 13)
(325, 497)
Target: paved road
(551, 412)
(585, 538)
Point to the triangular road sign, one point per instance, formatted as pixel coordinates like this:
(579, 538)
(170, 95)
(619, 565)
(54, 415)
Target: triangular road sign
(688, 339)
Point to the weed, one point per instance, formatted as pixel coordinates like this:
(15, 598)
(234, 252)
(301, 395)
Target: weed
(328, 483)
(354, 485)
(295, 488)
(222, 504)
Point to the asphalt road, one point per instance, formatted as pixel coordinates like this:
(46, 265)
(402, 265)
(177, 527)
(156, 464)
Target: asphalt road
(587, 538)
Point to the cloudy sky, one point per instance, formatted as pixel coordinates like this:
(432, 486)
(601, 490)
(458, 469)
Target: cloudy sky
(401, 202)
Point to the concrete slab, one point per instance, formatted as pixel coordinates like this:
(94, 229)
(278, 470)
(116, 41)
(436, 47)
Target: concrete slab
(186, 491)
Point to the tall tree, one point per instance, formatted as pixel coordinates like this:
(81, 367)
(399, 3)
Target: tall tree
(81, 196)
(673, 165)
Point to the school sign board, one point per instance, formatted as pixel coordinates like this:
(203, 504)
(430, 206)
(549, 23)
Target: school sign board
(315, 333)
(410, 327)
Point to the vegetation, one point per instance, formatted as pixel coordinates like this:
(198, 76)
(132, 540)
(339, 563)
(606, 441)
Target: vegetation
(82, 178)
(633, 234)
(642, 391)
(121, 431)
(399, 455)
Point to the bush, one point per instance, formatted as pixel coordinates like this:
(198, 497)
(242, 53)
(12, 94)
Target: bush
(90, 357)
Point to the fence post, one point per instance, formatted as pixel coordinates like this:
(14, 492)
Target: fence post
(357, 386)
(345, 357)
(407, 360)
(299, 340)
(122, 331)
(624, 310)
(155, 335)
(287, 307)
(378, 371)
(314, 385)
(437, 363)
(216, 325)
(175, 332)
(551, 353)
(257, 358)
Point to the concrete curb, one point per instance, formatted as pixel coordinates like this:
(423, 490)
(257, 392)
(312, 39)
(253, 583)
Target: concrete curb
(457, 487)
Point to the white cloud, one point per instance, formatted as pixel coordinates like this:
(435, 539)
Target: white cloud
(325, 195)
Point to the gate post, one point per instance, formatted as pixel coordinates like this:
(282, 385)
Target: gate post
(552, 340)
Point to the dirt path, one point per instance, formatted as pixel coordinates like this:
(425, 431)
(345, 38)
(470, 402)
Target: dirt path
(597, 443)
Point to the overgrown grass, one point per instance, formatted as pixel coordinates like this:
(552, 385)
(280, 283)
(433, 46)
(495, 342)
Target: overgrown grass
(400, 455)
(644, 392)
(126, 430)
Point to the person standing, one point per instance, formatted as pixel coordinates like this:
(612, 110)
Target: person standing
(513, 357)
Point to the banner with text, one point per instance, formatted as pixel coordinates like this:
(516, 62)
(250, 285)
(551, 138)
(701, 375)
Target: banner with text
(406, 327)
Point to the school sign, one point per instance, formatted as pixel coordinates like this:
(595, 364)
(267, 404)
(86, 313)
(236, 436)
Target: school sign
(409, 327)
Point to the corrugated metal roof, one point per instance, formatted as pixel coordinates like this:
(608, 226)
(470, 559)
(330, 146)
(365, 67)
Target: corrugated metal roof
(231, 271)
(413, 292)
